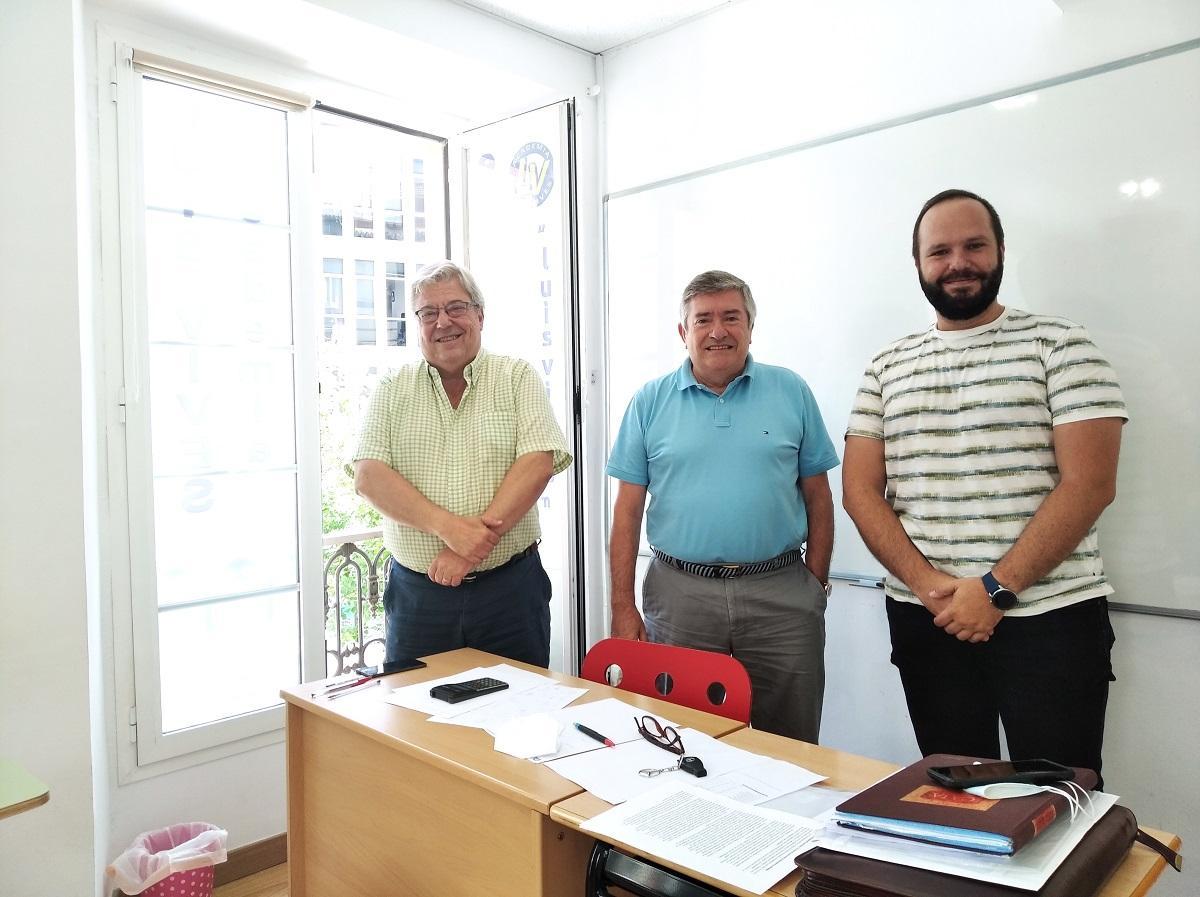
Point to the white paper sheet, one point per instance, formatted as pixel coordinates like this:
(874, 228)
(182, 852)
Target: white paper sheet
(761, 781)
(509, 705)
(610, 717)
(814, 803)
(747, 847)
(416, 696)
(1027, 869)
(613, 774)
(527, 735)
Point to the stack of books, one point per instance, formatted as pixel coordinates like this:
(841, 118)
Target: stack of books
(910, 805)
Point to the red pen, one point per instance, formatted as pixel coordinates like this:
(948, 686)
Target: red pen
(592, 733)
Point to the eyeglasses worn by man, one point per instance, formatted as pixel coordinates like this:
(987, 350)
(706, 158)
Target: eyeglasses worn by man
(454, 452)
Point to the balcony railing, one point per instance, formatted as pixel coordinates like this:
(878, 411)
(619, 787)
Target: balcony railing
(355, 567)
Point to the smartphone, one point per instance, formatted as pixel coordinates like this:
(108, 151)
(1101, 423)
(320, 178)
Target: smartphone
(1034, 772)
(453, 692)
(394, 666)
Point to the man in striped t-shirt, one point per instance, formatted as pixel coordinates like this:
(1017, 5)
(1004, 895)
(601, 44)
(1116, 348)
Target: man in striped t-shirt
(979, 455)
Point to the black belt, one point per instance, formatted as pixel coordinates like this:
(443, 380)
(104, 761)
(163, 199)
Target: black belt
(728, 571)
(475, 577)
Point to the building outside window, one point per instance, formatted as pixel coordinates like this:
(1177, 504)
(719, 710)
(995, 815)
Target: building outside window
(362, 165)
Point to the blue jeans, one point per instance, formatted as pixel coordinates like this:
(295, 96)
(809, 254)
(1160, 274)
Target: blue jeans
(505, 612)
(1045, 677)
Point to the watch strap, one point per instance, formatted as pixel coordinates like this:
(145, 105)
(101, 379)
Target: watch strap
(990, 583)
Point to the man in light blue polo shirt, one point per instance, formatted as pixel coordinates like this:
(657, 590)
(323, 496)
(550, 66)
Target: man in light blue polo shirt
(733, 455)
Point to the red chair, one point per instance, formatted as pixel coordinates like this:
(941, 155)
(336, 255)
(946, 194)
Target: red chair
(702, 680)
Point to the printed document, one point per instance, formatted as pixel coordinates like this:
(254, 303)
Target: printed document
(747, 847)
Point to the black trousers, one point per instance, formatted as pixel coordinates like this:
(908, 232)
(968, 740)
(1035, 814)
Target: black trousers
(1045, 677)
(506, 612)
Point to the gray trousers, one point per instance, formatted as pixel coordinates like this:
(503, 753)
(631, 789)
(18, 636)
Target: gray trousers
(774, 623)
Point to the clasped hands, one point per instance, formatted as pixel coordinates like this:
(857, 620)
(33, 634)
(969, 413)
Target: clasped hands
(468, 541)
(961, 607)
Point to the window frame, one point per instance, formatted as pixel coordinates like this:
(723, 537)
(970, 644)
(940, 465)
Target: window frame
(129, 450)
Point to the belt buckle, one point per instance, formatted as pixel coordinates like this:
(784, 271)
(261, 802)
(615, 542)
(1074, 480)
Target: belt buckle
(728, 570)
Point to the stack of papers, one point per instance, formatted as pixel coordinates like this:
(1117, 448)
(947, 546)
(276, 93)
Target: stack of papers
(527, 693)
(748, 847)
(613, 774)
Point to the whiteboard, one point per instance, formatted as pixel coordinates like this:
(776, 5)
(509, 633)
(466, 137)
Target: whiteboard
(822, 235)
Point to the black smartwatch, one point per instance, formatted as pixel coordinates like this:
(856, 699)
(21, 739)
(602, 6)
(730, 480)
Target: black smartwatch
(1001, 598)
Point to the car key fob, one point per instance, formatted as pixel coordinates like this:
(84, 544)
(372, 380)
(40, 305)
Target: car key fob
(693, 766)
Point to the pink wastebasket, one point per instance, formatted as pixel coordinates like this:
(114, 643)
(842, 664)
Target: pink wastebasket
(172, 862)
(193, 883)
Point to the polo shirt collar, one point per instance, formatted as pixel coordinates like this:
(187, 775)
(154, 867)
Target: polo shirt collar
(687, 379)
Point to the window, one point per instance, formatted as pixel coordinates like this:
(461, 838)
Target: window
(255, 322)
(419, 200)
(395, 303)
(331, 222)
(364, 301)
(335, 319)
(211, 425)
(393, 217)
(364, 218)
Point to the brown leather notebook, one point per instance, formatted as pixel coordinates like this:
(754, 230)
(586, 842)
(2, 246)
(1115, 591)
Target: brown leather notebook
(827, 873)
(950, 817)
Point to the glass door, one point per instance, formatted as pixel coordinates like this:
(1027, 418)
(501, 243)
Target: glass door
(517, 236)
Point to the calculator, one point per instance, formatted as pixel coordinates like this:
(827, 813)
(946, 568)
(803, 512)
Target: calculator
(453, 692)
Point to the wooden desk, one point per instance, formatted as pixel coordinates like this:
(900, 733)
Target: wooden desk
(849, 772)
(383, 802)
(19, 791)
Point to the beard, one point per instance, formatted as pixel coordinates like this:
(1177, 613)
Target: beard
(963, 308)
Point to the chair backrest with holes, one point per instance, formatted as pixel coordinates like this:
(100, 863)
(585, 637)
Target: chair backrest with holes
(702, 680)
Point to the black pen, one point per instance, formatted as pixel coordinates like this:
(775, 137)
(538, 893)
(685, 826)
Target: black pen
(592, 733)
(352, 688)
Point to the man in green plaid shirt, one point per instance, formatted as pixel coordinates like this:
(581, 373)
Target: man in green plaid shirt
(455, 452)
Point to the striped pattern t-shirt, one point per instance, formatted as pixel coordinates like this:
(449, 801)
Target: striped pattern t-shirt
(967, 421)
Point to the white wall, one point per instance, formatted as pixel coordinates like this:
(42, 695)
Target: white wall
(60, 715)
(45, 655)
(764, 74)
(760, 75)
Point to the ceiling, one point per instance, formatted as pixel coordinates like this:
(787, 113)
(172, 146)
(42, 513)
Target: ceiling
(597, 27)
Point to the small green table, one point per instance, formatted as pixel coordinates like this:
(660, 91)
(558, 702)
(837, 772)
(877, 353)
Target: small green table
(19, 791)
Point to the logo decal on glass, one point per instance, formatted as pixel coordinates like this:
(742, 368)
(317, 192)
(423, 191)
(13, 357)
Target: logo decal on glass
(533, 172)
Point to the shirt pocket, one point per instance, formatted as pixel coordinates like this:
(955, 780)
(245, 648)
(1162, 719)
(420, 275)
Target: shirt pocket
(495, 438)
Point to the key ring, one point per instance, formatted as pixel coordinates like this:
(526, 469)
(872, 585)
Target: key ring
(691, 765)
(651, 773)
